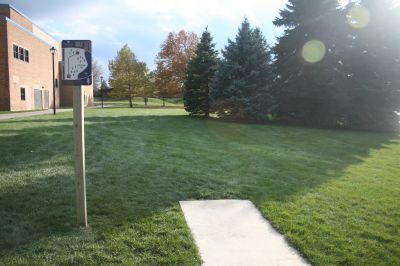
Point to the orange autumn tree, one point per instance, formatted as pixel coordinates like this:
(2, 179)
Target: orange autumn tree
(176, 52)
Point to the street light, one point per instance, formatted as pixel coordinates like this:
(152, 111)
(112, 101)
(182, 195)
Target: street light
(53, 51)
(101, 90)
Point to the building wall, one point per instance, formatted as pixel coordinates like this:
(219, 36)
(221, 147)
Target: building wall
(88, 94)
(4, 78)
(47, 38)
(37, 74)
(21, 20)
(67, 95)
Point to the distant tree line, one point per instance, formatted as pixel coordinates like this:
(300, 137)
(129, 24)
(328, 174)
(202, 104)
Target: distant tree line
(333, 67)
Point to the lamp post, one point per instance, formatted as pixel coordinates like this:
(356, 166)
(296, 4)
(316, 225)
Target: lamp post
(53, 51)
(101, 90)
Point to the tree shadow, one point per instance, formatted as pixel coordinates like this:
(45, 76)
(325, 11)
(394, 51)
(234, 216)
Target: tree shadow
(142, 107)
(138, 166)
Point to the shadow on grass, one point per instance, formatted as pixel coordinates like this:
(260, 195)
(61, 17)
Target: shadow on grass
(138, 166)
(142, 107)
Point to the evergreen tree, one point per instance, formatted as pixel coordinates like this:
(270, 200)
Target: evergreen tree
(240, 90)
(308, 64)
(200, 73)
(372, 65)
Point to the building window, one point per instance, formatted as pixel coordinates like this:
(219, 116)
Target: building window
(57, 83)
(23, 94)
(21, 53)
(27, 56)
(15, 51)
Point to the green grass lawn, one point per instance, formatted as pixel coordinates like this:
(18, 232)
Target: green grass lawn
(334, 194)
(139, 102)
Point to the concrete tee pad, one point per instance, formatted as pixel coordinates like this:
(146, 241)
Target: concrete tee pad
(233, 232)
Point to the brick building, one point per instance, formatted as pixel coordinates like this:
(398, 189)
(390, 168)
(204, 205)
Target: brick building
(26, 75)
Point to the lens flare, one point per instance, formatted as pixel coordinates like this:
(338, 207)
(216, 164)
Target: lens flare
(358, 17)
(313, 51)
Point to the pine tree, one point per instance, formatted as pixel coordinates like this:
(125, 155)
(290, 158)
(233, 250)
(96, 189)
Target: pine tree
(241, 87)
(308, 64)
(200, 73)
(372, 65)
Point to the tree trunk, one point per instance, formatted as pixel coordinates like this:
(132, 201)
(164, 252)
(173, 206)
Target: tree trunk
(207, 111)
(130, 97)
(164, 92)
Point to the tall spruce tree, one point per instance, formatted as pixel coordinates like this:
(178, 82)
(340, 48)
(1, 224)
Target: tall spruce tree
(200, 73)
(241, 87)
(308, 63)
(372, 65)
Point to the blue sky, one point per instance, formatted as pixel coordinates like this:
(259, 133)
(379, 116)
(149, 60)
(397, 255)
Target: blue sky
(144, 24)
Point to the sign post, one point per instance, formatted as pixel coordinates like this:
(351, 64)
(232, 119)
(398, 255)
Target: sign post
(79, 149)
(77, 71)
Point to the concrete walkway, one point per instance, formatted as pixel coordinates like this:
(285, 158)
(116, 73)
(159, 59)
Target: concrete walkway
(233, 232)
(27, 114)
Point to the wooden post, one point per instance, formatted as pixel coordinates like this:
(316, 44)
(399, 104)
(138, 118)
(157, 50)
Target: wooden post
(79, 143)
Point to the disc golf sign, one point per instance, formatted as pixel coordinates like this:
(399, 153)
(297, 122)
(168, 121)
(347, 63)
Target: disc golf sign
(77, 72)
(77, 62)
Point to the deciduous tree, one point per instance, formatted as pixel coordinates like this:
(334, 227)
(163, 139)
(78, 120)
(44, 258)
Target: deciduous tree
(97, 73)
(128, 76)
(176, 51)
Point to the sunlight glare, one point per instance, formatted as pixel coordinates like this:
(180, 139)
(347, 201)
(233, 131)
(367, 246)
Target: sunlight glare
(313, 51)
(358, 17)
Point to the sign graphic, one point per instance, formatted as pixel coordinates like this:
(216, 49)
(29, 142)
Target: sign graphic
(77, 62)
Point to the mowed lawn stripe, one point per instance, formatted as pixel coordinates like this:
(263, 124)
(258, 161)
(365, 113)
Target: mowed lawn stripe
(334, 194)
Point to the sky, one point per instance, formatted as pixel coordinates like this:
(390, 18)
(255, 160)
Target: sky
(144, 24)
